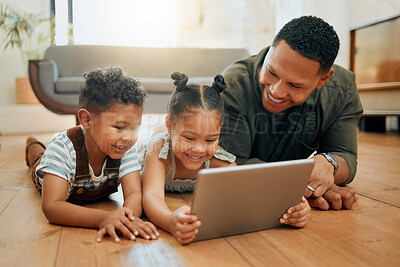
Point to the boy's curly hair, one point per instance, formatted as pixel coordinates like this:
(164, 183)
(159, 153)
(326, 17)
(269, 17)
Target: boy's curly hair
(109, 85)
(313, 38)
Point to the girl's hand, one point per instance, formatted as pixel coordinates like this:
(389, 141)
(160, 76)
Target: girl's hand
(121, 220)
(183, 226)
(298, 215)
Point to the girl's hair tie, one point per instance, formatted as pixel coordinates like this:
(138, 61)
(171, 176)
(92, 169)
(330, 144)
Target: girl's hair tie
(180, 81)
(219, 83)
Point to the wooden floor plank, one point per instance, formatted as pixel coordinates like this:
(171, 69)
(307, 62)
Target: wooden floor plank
(8, 150)
(362, 185)
(6, 197)
(15, 180)
(366, 235)
(388, 196)
(26, 238)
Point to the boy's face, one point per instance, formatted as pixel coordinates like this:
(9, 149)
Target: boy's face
(287, 78)
(194, 137)
(115, 131)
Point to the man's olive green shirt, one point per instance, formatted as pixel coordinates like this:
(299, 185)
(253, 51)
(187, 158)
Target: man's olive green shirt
(325, 122)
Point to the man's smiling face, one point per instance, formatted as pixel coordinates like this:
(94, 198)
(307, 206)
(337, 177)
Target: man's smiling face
(287, 78)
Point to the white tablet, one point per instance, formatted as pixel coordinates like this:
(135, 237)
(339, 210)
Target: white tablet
(247, 198)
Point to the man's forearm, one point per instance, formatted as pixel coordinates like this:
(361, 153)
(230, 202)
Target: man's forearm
(343, 172)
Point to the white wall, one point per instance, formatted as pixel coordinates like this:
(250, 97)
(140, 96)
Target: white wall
(11, 62)
(250, 22)
(337, 13)
(341, 14)
(369, 10)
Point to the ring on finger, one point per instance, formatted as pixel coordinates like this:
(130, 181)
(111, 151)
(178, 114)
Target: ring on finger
(311, 188)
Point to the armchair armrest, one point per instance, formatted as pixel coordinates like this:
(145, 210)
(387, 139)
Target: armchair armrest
(42, 75)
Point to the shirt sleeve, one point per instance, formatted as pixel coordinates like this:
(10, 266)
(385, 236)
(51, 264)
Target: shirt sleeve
(236, 136)
(129, 162)
(341, 137)
(57, 160)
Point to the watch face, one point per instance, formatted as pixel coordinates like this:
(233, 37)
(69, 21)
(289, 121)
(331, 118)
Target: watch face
(335, 162)
(331, 159)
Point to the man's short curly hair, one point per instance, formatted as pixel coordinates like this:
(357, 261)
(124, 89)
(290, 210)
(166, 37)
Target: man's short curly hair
(313, 38)
(106, 86)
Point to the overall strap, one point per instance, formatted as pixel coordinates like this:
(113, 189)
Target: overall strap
(81, 194)
(77, 138)
(112, 165)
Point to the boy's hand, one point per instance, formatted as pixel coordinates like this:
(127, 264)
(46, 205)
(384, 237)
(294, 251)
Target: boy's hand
(146, 229)
(298, 215)
(121, 220)
(183, 226)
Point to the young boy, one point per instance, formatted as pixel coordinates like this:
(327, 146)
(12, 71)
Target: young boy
(88, 162)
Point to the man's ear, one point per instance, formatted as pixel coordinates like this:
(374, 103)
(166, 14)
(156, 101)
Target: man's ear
(168, 124)
(325, 78)
(85, 118)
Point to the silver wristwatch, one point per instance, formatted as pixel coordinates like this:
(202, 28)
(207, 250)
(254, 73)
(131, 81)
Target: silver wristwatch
(331, 159)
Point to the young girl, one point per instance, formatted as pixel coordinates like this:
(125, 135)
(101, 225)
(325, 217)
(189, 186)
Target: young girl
(172, 159)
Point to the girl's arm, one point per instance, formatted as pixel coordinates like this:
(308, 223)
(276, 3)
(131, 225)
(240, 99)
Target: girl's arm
(179, 223)
(153, 179)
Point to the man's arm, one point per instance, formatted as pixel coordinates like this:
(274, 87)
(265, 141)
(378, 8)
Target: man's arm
(340, 140)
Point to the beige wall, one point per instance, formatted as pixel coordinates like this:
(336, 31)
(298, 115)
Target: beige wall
(251, 23)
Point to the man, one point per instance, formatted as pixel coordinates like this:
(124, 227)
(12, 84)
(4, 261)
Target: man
(289, 101)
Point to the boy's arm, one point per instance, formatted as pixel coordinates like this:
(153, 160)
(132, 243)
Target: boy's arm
(57, 210)
(131, 187)
(132, 190)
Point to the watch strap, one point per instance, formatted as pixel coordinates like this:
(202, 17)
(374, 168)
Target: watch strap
(331, 159)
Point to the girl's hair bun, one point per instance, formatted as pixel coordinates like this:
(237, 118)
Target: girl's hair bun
(180, 80)
(219, 83)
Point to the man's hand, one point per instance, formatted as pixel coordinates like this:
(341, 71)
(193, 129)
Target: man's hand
(336, 198)
(321, 178)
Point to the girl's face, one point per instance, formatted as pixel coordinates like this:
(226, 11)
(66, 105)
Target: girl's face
(195, 137)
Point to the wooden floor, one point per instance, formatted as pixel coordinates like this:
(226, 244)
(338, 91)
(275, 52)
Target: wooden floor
(366, 235)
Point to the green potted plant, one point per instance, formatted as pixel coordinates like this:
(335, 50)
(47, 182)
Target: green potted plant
(20, 30)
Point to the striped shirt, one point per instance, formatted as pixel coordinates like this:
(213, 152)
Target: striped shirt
(60, 159)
